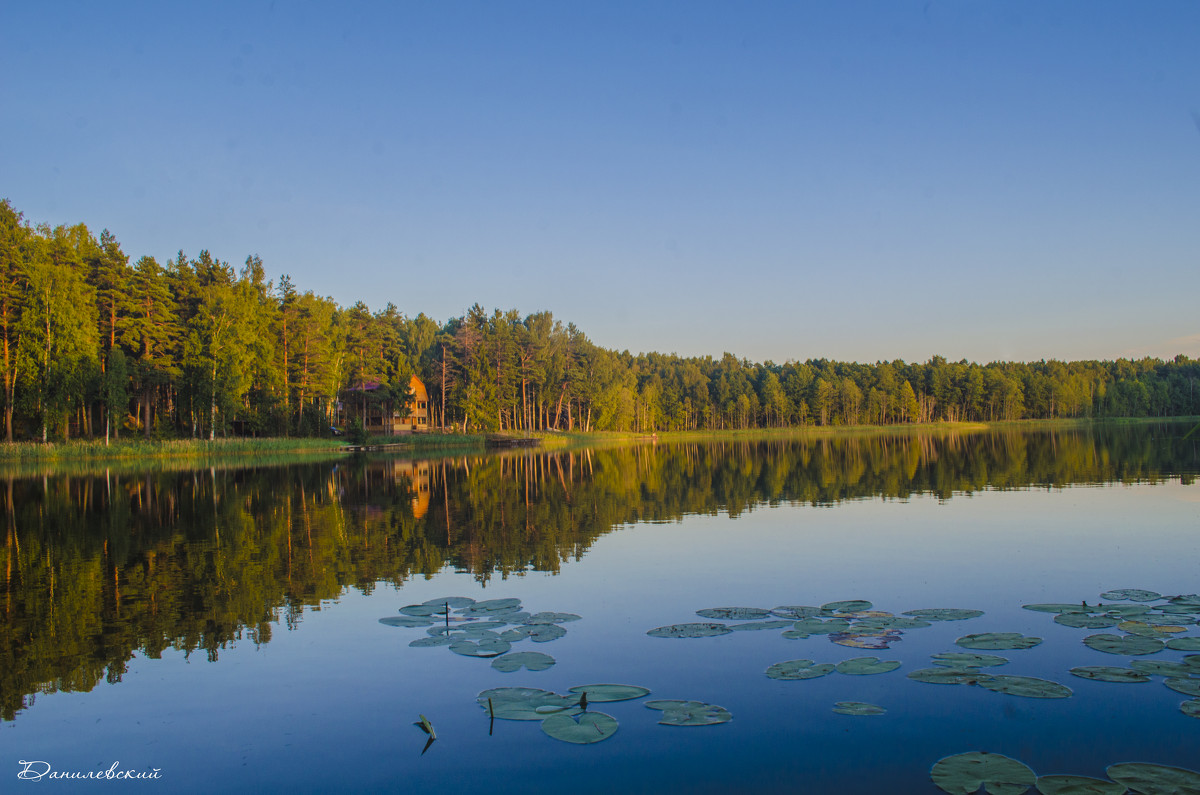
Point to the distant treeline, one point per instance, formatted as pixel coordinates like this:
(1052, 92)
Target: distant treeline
(93, 345)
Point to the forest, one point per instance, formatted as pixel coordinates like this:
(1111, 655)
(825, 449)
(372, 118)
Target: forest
(94, 346)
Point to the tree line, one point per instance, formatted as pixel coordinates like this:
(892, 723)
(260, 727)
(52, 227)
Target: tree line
(92, 345)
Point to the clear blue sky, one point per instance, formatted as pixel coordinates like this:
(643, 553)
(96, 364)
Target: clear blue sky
(781, 180)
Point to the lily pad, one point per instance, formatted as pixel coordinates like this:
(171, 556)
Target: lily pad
(944, 614)
(610, 692)
(881, 639)
(863, 666)
(1107, 673)
(1061, 607)
(422, 610)
(799, 669)
(964, 774)
(857, 708)
(1147, 630)
(484, 648)
(690, 713)
(455, 602)
(434, 640)
(997, 640)
(1184, 644)
(1150, 779)
(963, 659)
(1126, 611)
(590, 727)
(815, 626)
(734, 613)
(551, 618)
(1132, 594)
(695, 630)
(1085, 620)
(1189, 687)
(1126, 645)
(847, 606)
(406, 621)
(890, 622)
(1167, 620)
(522, 703)
(796, 612)
(1077, 785)
(544, 633)
(949, 676)
(1162, 668)
(750, 626)
(497, 605)
(1026, 686)
(1191, 708)
(515, 661)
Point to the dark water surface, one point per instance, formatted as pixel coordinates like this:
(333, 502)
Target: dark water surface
(221, 626)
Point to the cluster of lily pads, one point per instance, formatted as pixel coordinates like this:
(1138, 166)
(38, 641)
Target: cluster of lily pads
(1149, 629)
(852, 622)
(485, 628)
(568, 718)
(963, 774)
(966, 668)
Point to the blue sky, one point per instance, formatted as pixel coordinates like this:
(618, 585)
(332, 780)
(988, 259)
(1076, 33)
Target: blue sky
(850, 180)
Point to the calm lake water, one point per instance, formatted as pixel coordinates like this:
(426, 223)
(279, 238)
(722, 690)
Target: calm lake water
(222, 626)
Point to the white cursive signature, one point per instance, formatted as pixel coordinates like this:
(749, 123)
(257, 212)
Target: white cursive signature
(37, 770)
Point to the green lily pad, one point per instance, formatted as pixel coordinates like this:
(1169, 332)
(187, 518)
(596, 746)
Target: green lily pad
(864, 666)
(522, 703)
(1177, 609)
(544, 633)
(1191, 708)
(1162, 668)
(423, 610)
(551, 618)
(1107, 673)
(1085, 620)
(815, 626)
(694, 630)
(1189, 687)
(963, 659)
(1077, 785)
(1192, 661)
(600, 693)
(997, 640)
(944, 614)
(1132, 594)
(847, 606)
(750, 626)
(690, 713)
(1184, 644)
(455, 602)
(964, 774)
(484, 648)
(734, 613)
(497, 604)
(879, 639)
(857, 708)
(1166, 620)
(1189, 600)
(1145, 630)
(796, 612)
(1150, 779)
(590, 727)
(890, 622)
(435, 640)
(949, 676)
(1061, 607)
(1126, 611)
(406, 621)
(799, 669)
(515, 661)
(1026, 686)
(1126, 645)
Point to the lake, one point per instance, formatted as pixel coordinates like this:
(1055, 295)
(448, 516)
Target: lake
(220, 628)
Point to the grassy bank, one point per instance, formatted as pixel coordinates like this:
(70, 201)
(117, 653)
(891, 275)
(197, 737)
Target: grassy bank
(97, 450)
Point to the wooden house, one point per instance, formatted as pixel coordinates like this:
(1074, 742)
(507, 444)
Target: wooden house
(382, 416)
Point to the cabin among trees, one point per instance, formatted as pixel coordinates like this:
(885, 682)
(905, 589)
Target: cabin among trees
(385, 412)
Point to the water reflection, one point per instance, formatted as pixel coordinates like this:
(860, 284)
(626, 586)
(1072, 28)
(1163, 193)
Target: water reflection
(99, 566)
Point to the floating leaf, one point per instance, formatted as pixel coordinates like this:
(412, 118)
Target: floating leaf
(551, 618)
(689, 631)
(1132, 594)
(423, 610)
(1147, 631)
(455, 602)
(406, 621)
(890, 622)
(590, 727)
(1106, 673)
(544, 633)
(1085, 621)
(515, 661)
(1077, 785)
(734, 613)
(1126, 611)
(963, 659)
(866, 640)
(1184, 644)
(1189, 687)
(857, 708)
(437, 640)
(864, 666)
(497, 604)
(964, 774)
(1026, 686)
(484, 648)
(1126, 645)
(997, 641)
(944, 614)
(847, 606)
(750, 626)
(1150, 779)
(1058, 607)
(798, 669)
(1191, 708)
(1192, 661)
(1174, 619)
(690, 713)
(1161, 668)
(796, 611)
(522, 703)
(1189, 600)
(815, 626)
(610, 692)
(949, 676)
